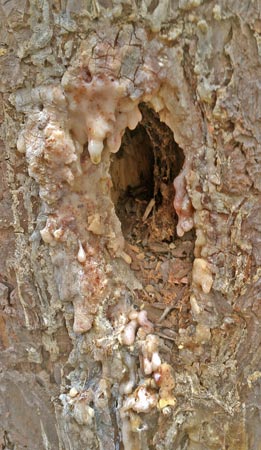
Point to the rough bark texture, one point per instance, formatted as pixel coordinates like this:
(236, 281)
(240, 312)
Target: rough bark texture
(127, 322)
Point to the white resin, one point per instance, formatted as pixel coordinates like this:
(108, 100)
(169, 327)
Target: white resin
(95, 149)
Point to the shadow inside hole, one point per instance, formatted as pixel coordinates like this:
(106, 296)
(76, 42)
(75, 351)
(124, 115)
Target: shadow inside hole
(142, 174)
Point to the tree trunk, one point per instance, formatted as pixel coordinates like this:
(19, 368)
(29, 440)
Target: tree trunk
(130, 311)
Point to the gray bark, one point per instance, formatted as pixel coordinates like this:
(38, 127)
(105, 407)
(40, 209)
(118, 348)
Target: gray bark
(103, 105)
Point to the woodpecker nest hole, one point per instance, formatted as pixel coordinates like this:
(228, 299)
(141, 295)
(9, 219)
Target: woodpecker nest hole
(142, 174)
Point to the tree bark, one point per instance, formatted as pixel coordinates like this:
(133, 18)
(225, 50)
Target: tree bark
(130, 225)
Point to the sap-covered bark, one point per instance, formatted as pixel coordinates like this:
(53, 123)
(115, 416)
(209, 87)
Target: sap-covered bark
(74, 332)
